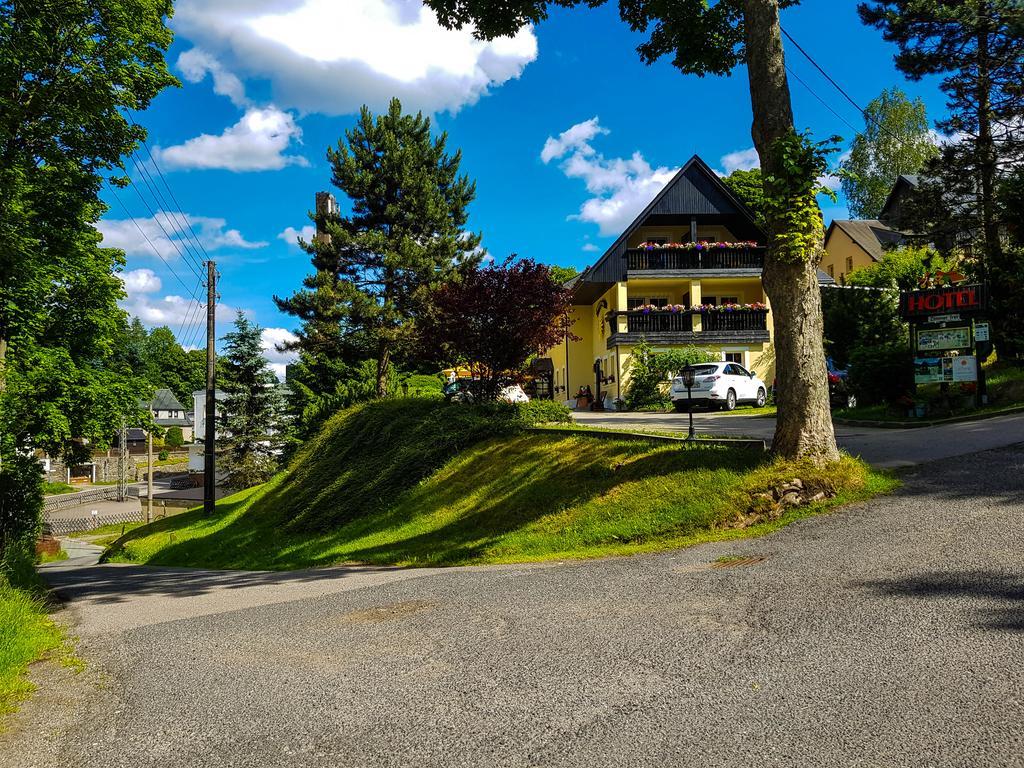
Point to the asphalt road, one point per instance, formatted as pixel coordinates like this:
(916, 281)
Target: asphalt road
(887, 634)
(888, 448)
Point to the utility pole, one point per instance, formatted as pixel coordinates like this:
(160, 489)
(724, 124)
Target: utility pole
(209, 440)
(149, 467)
(122, 461)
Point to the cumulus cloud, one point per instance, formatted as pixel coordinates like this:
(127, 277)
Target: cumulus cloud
(291, 235)
(590, 248)
(576, 138)
(257, 142)
(195, 64)
(330, 57)
(164, 235)
(271, 339)
(141, 281)
(621, 187)
(740, 160)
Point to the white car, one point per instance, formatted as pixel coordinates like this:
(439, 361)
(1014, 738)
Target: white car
(721, 384)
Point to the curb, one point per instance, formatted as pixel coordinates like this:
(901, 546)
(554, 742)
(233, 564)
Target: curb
(608, 434)
(928, 422)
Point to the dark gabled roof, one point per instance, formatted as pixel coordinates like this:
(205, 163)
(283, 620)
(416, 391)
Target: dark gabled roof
(695, 190)
(903, 184)
(871, 235)
(163, 400)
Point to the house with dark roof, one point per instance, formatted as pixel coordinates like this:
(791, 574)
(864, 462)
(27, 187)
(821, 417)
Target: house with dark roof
(686, 271)
(856, 243)
(168, 412)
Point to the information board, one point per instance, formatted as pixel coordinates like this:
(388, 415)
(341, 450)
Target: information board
(936, 339)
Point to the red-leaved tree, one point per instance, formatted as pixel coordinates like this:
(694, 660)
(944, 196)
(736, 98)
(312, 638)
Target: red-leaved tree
(494, 319)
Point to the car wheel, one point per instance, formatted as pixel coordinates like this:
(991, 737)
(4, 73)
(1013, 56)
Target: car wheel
(762, 398)
(730, 401)
(680, 406)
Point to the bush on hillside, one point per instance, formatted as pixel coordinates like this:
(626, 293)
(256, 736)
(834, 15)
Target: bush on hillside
(881, 373)
(543, 412)
(175, 438)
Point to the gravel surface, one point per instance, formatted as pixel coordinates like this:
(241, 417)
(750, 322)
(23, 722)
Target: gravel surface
(886, 634)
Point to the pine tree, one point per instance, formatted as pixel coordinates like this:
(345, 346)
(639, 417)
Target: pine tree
(896, 141)
(404, 235)
(250, 410)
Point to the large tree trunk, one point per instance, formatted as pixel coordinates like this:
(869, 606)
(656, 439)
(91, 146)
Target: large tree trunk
(383, 361)
(804, 426)
(986, 149)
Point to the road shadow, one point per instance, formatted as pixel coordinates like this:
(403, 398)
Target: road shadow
(119, 583)
(1003, 592)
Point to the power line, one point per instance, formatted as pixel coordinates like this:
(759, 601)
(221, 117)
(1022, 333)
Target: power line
(142, 232)
(193, 301)
(819, 98)
(167, 186)
(196, 261)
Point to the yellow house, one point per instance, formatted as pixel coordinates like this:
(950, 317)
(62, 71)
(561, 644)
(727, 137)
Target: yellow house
(855, 243)
(685, 272)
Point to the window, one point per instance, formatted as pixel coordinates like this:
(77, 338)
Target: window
(734, 370)
(656, 239)
(849, 263)
(733, 357)
(831, 271)
(634, 302)
(708, 300)
(730, 300)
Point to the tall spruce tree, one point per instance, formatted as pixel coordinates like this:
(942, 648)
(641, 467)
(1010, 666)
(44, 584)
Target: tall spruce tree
(714, 38)
(896, 141)
(404, 235)
(250, 410)
(977, 47)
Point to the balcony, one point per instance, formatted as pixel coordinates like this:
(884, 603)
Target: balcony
(673, 258)
(717, 326)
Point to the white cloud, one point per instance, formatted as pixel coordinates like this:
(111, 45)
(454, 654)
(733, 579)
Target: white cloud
(740, 160)
(331, 57)
(164, 235)
(196, 63)
(577, 138)
(590, 248)
(141, 281)
(291, 235)
(271, 339)
(257, 142)
(621, 187)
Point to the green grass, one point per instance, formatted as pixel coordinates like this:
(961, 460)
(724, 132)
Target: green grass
(369, 495)
(26, 635)
(105, 530)
(423, 385)
(46, 557)
(57, 489)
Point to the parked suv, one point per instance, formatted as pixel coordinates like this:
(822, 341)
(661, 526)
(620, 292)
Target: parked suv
(721, 384)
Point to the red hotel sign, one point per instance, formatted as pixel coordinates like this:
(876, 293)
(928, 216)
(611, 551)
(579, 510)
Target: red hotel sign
(933, 301)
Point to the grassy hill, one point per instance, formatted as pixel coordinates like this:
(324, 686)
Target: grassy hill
(424, 483)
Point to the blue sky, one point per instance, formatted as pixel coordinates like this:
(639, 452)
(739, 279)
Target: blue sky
(266, 89)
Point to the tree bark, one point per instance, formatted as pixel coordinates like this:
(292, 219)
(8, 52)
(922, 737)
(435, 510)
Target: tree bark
(986, 148)
(383, 359)
(804, 423)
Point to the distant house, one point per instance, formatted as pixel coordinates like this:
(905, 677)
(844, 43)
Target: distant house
(169, 412)
(856, 243)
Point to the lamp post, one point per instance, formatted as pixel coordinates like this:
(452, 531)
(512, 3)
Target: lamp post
(688, 373)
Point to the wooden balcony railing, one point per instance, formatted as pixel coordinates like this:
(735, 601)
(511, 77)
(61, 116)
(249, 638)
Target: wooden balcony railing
(685, 259)
(749, 320)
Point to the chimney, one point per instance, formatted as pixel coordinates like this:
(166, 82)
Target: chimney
(326, 207)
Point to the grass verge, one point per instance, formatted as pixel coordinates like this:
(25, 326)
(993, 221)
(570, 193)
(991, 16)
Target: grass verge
(510, 498)
(58, 489)
(26, 635)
